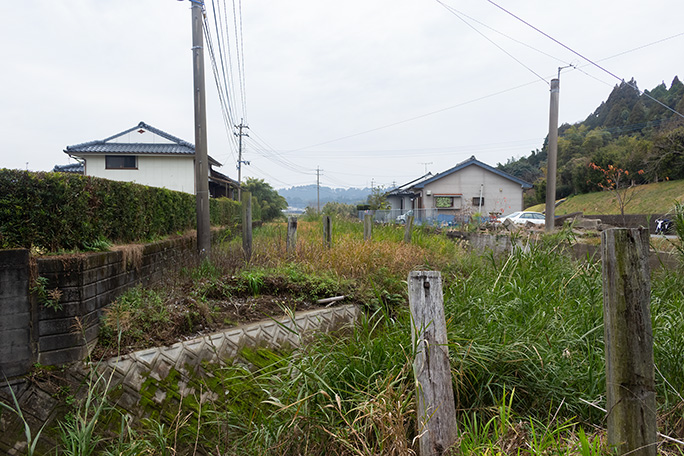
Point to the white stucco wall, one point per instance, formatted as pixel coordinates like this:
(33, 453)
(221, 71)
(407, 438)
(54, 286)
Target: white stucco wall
(500, 194)
(172, 172)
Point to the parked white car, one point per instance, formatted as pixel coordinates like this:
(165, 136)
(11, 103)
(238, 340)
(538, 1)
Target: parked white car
(522, 217)
(402, 218)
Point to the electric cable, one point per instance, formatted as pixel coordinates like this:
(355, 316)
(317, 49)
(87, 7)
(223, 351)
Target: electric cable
(455, 13)
(585, 58)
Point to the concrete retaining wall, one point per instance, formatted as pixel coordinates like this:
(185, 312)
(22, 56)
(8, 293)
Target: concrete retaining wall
(616, 220)
(15, 308)
(501, 244)
(34, 333)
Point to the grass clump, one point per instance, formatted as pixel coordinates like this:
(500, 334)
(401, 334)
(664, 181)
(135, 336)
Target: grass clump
(140, 314)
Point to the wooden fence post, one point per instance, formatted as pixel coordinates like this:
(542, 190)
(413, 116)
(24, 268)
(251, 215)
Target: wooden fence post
(436, 408)
(247, 224)
(327, 230)
(291, 234)
(630, 378)
(367, 227)
(407, 229)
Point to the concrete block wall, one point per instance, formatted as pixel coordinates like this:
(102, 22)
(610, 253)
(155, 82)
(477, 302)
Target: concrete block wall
(16, 317)
(87, 283)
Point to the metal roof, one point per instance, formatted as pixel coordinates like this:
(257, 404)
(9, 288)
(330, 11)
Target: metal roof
(106, 146)
(405, 189)
(473, 161)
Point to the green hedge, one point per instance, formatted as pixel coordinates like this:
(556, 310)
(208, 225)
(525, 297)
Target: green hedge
(58, 211)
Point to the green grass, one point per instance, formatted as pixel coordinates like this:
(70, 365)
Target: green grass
(525, 345)
(657, 198)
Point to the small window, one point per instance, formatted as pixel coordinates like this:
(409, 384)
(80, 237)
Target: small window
(477, 201)
(444, 202)
(447, 202)
(121, 162)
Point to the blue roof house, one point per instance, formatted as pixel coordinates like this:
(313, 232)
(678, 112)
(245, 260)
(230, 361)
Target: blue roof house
(469, 187)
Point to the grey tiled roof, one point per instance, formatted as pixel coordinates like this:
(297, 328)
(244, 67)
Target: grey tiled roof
(96, 147)
(106, 146)
(76, 168)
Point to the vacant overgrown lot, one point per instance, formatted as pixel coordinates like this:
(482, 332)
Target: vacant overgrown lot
(525, 343)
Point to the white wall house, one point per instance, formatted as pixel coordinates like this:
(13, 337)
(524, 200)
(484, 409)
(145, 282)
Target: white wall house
(469, 187)
(145, 155)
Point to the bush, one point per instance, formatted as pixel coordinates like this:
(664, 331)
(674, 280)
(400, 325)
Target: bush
(56, 211)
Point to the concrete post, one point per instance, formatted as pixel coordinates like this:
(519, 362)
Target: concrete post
(552, 157)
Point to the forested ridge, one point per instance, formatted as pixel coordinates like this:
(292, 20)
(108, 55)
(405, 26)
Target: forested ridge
(629, 130)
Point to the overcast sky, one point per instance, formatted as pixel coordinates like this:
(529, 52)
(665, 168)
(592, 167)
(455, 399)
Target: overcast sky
(369, 91)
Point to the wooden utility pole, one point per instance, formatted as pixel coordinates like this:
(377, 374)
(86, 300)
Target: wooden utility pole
(436, 409)
(318, 190)
(630, 378)
(247, 224)
(552, 157)
(240, 162)
(201, 156)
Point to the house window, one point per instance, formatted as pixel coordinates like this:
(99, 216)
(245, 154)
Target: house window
(477, 201)
(447, 202)
(121, 162)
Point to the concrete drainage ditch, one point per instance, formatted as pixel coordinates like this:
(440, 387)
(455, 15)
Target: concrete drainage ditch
(130, 376)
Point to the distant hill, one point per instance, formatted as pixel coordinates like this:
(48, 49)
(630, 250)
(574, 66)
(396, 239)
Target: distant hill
(629, 130)
(305, 195)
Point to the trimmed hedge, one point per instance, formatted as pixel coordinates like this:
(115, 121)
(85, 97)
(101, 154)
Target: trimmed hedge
(55, 211)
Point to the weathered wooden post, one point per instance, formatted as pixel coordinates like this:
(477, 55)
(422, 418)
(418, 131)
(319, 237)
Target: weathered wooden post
(367, 227)
(407, 229)
(291, 235)
(436, 409)
(327, 230)
(630, 379)
(247, 224)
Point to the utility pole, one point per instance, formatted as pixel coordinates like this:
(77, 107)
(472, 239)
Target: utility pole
(318, 190)
(552, 155)
(201, 156)
(240, 134)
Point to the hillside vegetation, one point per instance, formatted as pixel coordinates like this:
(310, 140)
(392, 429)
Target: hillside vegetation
(642, 133)
(656, 198)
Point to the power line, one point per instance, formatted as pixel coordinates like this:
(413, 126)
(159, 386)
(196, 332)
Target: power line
(394, 124)
(461, 13)
(585, 58)
(455, 13)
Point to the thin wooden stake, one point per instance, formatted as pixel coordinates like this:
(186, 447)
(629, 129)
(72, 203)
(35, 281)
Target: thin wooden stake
(327, 230)
(630, 377)
(436, 409)
(291, 235)
(367, 227)
(407, 229)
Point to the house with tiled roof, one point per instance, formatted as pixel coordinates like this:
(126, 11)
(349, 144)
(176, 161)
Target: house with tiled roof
(471, 186)
(146, 155)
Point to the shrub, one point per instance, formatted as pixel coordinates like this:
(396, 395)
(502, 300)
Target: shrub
(55, 211)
